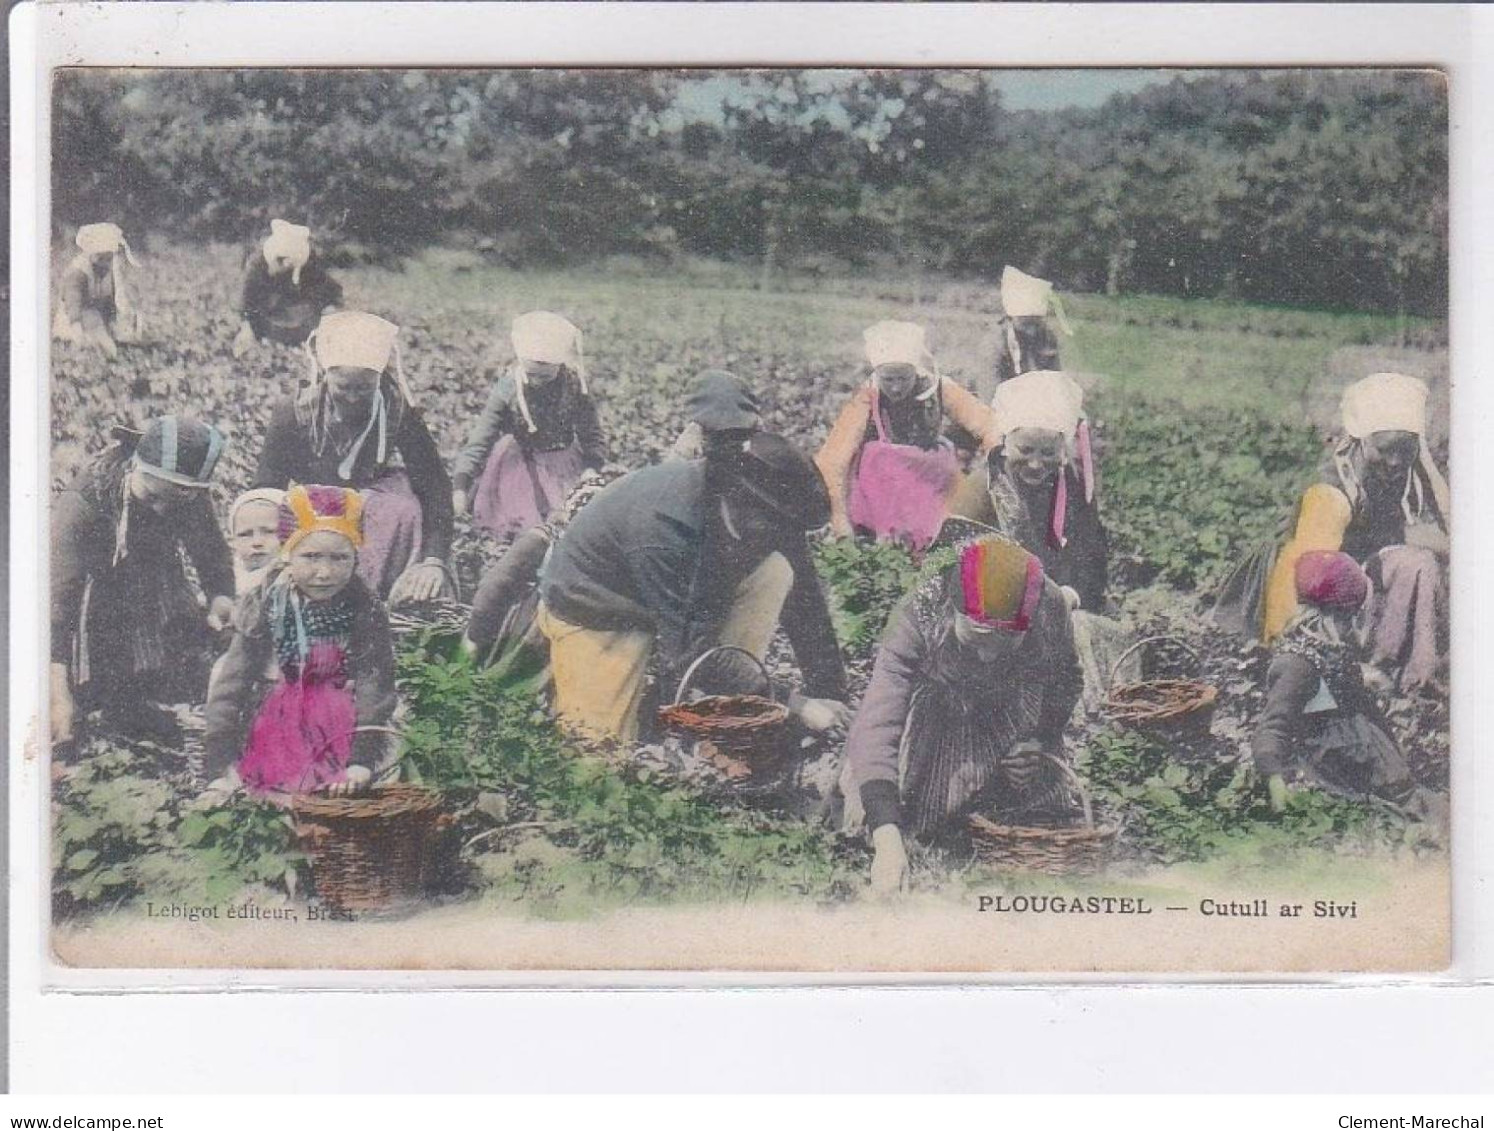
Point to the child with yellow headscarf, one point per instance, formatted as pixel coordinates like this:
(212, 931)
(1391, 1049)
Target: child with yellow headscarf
(313, 621)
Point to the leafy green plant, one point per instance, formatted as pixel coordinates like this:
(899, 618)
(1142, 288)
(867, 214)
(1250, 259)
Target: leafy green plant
(591, 828)
(104, 817)
(1182, 506)
(243, 843)
(865, 580)
(1174, 810)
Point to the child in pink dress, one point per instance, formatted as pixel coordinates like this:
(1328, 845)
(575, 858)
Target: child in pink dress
(317, 626)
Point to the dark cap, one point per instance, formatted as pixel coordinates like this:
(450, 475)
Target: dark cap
(180, 450)
(722, 402)
(783, 479)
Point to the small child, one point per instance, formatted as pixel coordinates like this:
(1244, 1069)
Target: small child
(328, 638)
(1319, 719)
(537, 433)
(254, 536)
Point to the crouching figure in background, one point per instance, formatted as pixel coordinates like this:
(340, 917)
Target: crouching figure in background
(1041, 490)
(887, 464)
(96, 307)
(356, 425)
(974, 682)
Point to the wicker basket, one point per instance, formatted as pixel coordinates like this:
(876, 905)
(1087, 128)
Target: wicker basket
(747, 729)
(371, 851)
(1183, 708)
(1054, 851)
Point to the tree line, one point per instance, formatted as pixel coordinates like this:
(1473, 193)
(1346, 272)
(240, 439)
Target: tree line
(1311, 188)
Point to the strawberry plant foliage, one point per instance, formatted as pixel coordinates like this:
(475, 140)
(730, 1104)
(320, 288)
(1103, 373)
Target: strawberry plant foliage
(610, 830)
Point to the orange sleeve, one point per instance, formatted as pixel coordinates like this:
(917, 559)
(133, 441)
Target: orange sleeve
(1322, 518)
(966, 411)
(838, 453)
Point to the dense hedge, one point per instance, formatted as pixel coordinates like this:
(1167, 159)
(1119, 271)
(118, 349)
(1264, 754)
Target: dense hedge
(1320, 188)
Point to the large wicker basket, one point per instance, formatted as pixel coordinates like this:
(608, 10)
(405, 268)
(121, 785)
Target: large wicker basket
(372, 851)
(1054, 851)
(1182, 708)
(747, 729)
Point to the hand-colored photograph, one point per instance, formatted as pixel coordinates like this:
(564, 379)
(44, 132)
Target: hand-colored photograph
(811, 522)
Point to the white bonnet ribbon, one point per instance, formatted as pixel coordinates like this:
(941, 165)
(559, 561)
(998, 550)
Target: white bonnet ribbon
(122, 528)
(1086, 459)
(1014, 347)
(581, 366)
(1063, 321)
(1343, 463)
(130, 255)
(309, 345)
(376, 417)
(121, 293)
(934, 385)
(399, 377)
(520, 378)
(1435, 482)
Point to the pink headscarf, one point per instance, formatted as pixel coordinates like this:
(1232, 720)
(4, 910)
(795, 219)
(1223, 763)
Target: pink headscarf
(1331, 580)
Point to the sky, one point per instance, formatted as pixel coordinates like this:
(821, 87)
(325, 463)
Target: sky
(1057, 89)
(1033, 89)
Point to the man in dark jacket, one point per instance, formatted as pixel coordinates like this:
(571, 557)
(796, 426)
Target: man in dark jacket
(676, 559)
(128, 630)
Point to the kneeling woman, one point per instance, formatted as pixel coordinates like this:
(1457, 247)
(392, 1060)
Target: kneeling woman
(538, 432)
(326, 637)
(887, 463)
(1319, 720)
(96, 307)
(1381, 499)
(974, 681)
(347, 428)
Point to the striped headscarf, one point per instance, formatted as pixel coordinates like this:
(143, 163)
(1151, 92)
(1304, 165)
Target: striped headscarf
(1000, 584)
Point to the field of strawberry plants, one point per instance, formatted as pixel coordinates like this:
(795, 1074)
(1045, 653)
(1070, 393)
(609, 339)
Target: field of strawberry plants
(1198, 409)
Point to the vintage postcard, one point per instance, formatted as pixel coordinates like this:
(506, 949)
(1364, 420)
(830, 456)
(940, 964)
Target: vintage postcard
(820, 522)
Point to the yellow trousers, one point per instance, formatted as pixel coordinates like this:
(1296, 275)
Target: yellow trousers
(599, 675)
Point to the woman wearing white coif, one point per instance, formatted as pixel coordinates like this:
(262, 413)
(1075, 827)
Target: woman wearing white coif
(537, 433)
(886, 462)
(1026, 342)
(286, 290)
(356, 426)
(1381, 499)
(96, 307)
(1041, 490)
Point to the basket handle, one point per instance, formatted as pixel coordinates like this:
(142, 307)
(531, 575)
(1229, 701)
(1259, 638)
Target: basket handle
(369, 728)
(709, 652)
(1145, 640)
(1078, 784)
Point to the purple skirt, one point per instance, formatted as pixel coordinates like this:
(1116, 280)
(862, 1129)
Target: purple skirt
(515, 494)
(391, 532)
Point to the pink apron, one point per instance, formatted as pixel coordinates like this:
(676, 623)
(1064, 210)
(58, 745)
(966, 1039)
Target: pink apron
(392, 519)
(898, 491)
(302, 735)
(518, 491)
